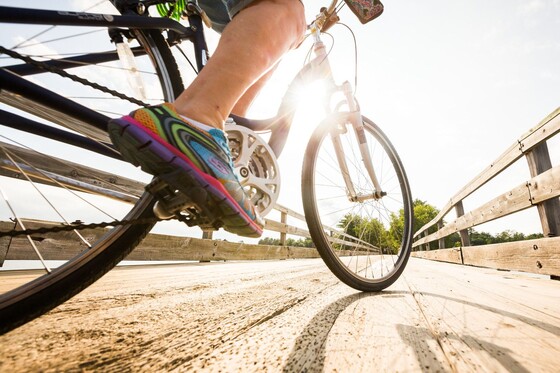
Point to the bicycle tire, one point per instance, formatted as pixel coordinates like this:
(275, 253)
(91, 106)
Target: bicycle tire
(326, 204)
(41, 295)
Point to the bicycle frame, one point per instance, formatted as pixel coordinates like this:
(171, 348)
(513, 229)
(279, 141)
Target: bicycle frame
(319, 68)
(365, 269)
(67, 112)
(75, 116)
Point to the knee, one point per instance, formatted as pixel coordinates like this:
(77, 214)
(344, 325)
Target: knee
(293, 16)
(287, 17)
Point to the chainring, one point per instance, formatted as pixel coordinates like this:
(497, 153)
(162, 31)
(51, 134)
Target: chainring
(255, 165)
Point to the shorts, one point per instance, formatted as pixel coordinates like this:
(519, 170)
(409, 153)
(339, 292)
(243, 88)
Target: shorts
(221, 12)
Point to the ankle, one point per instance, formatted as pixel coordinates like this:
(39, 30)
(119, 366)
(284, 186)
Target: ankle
(196, 117)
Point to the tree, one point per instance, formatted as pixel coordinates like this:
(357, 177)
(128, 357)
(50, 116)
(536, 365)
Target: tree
(485, 238)
(302, 242)
(423, 214)
(370, 230)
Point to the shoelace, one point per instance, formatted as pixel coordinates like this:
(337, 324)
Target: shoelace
(221, 138)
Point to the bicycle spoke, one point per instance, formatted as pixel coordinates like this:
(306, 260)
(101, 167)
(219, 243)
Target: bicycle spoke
(366, 217)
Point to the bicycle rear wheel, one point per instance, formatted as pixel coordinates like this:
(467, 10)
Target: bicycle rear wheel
(365, 241)
(47, 189)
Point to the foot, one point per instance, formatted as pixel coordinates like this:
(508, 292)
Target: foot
(160, 141)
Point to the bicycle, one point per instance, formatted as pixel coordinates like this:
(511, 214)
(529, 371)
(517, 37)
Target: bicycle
(354, 186)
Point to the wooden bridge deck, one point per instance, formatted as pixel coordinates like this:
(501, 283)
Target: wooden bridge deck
(295, 316)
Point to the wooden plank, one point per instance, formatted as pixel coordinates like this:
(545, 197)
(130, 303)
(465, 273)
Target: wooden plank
(64, 245)
(53, 115)
(72, 175)
(540, 256)
(290, 212)
(441, 255)
(506, 159)
(162, 247)
(543, 131)
(545, 186)
(86, 179)
(547, 128)
(549, 210)
(294, 316)
(275, 226)
(536, 256)
(465, 239)
(540, 188)
(515, 200)
(489, 321)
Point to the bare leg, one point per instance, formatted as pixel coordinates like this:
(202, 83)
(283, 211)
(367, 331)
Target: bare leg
(242, 105)
(251, 44)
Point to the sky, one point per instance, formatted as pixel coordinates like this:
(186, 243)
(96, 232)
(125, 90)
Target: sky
(452, 83)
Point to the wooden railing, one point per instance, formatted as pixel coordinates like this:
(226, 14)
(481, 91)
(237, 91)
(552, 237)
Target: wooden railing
(541, 192)
(53, 171)
(63, 245)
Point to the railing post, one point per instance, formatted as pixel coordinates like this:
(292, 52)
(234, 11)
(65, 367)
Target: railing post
(460, 211)
(283, 220)
(207, 234)
(441, 241)
(5, 243)
(549, 211)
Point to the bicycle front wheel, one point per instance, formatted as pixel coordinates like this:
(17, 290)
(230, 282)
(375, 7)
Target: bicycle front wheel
(364, 239)
(52, 181)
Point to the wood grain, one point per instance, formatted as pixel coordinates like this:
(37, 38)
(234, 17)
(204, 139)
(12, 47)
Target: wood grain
(294, 316)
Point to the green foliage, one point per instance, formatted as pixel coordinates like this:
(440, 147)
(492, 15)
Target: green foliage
(423, 214)
(389, 239)
(369, 230)
(485, 238)
(302, 242)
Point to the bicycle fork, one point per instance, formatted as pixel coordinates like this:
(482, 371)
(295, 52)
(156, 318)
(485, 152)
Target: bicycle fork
(354, 117)
(321, 68)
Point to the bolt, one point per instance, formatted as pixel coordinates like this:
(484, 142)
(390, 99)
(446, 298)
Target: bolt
(244, 171)
(539, 265)
(535, 247)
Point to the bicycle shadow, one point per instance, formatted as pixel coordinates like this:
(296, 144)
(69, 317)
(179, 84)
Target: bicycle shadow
(309, 347)
(309, 350)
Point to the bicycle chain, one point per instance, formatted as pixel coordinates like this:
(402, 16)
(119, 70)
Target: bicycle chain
(75, 78)
(71, 227)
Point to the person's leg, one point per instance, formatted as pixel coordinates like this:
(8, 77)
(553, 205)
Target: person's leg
(166, 141)
(251, 44)
(242, 105)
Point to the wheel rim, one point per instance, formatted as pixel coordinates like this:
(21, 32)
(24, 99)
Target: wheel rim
(74, 256)
(361, 241)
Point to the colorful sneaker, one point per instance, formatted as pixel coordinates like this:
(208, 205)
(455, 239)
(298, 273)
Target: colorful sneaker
(160, 141)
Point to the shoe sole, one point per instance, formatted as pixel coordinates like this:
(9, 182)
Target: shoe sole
(143, 148)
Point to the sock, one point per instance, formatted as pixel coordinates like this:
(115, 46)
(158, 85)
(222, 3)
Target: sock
(198, 124)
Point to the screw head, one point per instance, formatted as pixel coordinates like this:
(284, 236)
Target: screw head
(244, 171)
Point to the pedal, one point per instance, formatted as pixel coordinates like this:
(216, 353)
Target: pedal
(189, 204)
